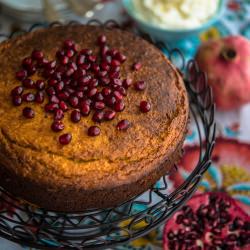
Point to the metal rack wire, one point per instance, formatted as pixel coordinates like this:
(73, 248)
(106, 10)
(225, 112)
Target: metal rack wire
(97, 229)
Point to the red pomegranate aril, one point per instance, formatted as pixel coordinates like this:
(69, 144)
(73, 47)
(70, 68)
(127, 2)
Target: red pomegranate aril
(99, 97)
(68, 44)
(99, 105)
(122, 91)
(28, 113)
(140, 85)
(69, 90)
(115, 63)
(60, 54)
(118, 96)
(85, 109)
(65, 139)
(123, 125)
(112, 52)
(51, 107)
(52, 82)
(40, 84)
(16, 100)
(106, 91)
(75, 47)
(51, 65)
(31, 69)
(98, 116)
(92, 58)
(85, 80)
(70, 53)
(64, 60)
(115, 69)
(114, 74)
(75, 116)
(57, 126)
(17, 91)
(109, 115)
(95, 67)
(80, 59)
(48, 72)
(120, 57)
(59, 86)
(86, 101)
(21, 75)
(27, 62)
(63, 106)
(127, 83)
(58, 114)
(105, 80)
(92, 92)
(28, 97)
(119, 106)
(50, 91)
(85, 66)
(28, 83)
(110, 101)
(86, 52)
(42, 62)
(102, 39)
(64, 95)
(116, 81)
(137, 66)
(102, 73)
(37, 55)
(39, 98)
(54, 99)
(58, 74)
(69, 72)
(107, 59)
(105, 66)
(94, 131)
(104, 50)
(79, 73)
(145, 106)
(73, 100)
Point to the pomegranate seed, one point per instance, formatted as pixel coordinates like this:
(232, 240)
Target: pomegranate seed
(50, 107)
(69, 90)
(27, 62)
(52, 82)
(59, 114)
(68, 44)
(145, 106)
(115, 63)
(31, 69)
(64, 95)
(17, 91)
(110, 101)
(94, 131)
(116, 81)
(123, 125)
(28, 113)
(79, 73)
(75, 47)
(92, 58)
(120, 57)
(95, 67)
(109, 115)
(84, 81)
(58, 75)
(86, 52)
(64, 60)
(73, 100)
(99, 97)
(59, 86)
(102, 73)
(86, 101)
(65, 139)
(93, 83)
(114, 74)
(102, 39)
(98, 116)
(17, 100)
(69, 72)
(105, 81)
(127, 83)
(57, 126)
(50, 91)
(21, 75)
(37, 55)
(80, 59)
(60, 54)
(86, 66)
(40, 84)
(122, 91)
(99, 105)
(92, 92)
(105, 66)
(28, 97)
(118, 96)
(54, 99)
(85, 109)
(70, 53)
(113, 52)
(28, 83)
(63, 106)
(39, 98)
(75, 116)
(137, 66)
(106, 91)
(42, 62)
(48, 72)
(119, 106)
(116, 69)
(51, 65)
(104, 51)
(140, 85)
(79, 94)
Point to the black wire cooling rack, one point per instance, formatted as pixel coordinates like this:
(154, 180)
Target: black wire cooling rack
(99, 229)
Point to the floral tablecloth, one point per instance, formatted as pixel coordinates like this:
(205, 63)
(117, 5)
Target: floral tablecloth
(233, 130)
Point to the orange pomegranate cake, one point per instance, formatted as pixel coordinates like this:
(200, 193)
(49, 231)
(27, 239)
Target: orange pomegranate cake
(90, 117)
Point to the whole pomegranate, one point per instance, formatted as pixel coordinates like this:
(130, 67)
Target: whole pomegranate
(227, 64)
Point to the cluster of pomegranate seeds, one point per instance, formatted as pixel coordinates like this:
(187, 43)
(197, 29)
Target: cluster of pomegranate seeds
(216, 224)
(79, 82)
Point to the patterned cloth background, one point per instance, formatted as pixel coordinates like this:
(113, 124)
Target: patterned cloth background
(230, 170)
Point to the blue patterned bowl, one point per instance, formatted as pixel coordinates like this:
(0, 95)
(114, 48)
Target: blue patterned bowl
(168, 35)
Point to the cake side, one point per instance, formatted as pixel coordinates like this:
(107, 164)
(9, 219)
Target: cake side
(29, 150)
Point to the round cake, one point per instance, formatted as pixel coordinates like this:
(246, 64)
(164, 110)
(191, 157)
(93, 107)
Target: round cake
(90, 116)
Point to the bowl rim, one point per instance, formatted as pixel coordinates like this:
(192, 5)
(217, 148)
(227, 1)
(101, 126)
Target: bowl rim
(208, 23)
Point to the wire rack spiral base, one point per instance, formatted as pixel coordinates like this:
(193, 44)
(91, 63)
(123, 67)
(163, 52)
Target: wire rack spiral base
(98, 229)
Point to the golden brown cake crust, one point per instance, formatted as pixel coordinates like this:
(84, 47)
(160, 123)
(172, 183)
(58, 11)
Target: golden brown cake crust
(91, 172)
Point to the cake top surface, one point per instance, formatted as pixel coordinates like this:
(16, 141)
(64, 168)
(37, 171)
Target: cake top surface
(148, 131)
